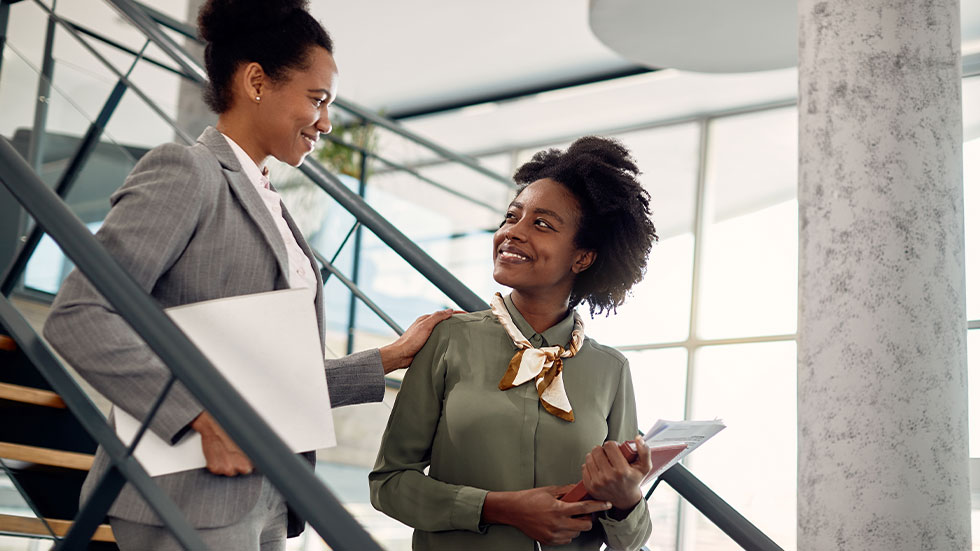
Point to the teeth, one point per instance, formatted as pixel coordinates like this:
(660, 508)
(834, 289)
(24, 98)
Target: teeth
(513, 256)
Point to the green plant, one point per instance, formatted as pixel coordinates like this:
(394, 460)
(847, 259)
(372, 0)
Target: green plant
(343, 159)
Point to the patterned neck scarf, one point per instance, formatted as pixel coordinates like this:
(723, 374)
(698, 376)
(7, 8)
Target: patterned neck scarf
(544, 365)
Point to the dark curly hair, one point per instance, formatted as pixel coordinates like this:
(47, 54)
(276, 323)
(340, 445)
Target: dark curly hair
(615, 215)
(276, 34)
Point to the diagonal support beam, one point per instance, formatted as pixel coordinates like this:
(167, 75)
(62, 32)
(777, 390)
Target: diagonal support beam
(95, 424)
(93, 513)
(308, 495)
(65, 183)
(717, 510)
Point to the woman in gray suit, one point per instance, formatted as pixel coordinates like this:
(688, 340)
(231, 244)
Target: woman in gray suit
(202, 222)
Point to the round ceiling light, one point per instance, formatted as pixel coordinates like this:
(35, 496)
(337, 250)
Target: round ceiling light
(714, 36)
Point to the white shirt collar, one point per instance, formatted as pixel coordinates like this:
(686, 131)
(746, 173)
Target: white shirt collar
(251, 170)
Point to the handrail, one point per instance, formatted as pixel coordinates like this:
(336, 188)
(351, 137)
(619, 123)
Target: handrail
(329, 268)
(347, 105)
(717, 510)
(88, 414)
(398, 167)
(289, 473)
(379, 225)
(405, 247)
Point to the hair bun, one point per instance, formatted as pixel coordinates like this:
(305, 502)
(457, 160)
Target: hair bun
(221, 20)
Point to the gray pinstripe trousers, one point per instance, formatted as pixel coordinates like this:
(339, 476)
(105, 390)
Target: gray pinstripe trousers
(262, 529)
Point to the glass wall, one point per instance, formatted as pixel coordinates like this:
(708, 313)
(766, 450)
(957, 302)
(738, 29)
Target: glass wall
(711, 330)
(724, 272)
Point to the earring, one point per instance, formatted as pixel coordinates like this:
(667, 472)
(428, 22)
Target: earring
(257, 98)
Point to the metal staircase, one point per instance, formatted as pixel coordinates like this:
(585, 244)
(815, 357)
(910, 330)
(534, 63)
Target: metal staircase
(50, 426)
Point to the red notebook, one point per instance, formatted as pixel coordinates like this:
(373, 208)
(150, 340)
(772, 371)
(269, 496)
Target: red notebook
(659, 457)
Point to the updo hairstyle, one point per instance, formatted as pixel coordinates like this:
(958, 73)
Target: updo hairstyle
(615, 215)
(276, 34)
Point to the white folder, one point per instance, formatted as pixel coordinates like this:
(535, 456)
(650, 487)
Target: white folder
(267, 346)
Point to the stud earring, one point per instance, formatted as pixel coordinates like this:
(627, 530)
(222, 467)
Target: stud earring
(257, 98)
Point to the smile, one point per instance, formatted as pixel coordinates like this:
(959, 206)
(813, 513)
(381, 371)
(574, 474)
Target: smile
(310, 142)
(510, 256)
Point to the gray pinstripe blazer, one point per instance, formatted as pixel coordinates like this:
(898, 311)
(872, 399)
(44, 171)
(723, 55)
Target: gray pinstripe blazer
(189, 226)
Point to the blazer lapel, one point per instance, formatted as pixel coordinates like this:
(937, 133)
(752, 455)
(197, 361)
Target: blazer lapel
(246, 194)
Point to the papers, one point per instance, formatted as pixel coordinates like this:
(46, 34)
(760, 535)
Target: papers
(267, 346)
(670, 433)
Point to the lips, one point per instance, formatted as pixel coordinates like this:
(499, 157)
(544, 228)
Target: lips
(310, 141)
(512, 255)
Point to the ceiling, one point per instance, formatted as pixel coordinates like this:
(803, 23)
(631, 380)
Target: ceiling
(400, 55)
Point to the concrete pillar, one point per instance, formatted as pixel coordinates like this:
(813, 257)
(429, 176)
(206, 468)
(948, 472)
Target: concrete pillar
(882, 350)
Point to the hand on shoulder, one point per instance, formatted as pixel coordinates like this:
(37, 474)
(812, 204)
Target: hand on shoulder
(400, 353)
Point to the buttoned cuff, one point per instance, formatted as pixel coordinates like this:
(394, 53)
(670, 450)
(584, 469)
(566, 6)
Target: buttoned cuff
(629, 533)
(468, 509)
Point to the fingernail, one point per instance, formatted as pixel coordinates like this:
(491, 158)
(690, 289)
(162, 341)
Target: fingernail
(608, 505)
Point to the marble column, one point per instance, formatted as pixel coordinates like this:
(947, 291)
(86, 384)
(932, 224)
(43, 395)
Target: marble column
(883, 458)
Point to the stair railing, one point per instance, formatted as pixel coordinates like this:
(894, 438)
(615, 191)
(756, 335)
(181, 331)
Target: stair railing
(289, 473)
(145, 19)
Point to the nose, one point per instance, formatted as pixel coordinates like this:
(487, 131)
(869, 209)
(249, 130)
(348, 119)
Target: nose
(515, 232)
(323, 124)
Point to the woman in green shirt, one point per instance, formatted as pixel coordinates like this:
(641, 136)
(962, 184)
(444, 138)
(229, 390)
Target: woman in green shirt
(508, 407)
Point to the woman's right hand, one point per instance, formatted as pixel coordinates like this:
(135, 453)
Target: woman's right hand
(540, 514)
(223, 456)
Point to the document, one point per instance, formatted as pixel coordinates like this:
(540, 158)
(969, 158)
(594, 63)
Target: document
(660, 454)
(690, 433)
(267, 346)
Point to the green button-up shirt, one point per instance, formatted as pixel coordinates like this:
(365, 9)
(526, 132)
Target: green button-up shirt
(451, 417)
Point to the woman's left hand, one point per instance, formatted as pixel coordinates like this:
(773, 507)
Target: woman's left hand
(607, 475)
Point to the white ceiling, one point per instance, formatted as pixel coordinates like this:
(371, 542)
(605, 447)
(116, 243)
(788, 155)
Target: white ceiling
(398, 55)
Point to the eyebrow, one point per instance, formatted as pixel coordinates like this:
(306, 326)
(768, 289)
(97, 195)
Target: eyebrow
(540, 210)
(323, 91)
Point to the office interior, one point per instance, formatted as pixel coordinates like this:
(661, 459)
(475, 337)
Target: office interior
(722, 138)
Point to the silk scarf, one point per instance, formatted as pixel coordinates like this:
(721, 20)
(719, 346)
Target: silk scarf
(544, 364)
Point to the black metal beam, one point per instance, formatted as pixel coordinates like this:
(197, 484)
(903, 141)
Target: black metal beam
(26, 497)
(339, 249)
(173, 24)
(398, 167)
(119, 74)
(121, 47)
(723, 515)
(517, 93)
(294, 478)
(4, 18)
(402, 245)
(356, 265)
(95, 424)
(330, 269)
(112, 482)
(137, 16)
(65, 183)
(93, 513)
(35, 152)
